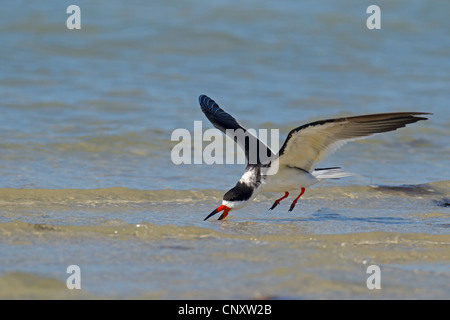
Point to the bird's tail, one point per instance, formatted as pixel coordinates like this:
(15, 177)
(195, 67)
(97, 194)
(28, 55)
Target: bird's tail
(330, 173)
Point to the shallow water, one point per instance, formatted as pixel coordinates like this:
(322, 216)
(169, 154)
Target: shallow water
(86, 174)
(152, 244)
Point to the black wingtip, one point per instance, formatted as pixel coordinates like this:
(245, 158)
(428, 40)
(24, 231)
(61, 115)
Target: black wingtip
(204, 99)
(423, 118)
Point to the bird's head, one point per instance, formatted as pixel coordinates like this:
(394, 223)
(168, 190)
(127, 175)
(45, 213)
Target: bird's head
(235, 198)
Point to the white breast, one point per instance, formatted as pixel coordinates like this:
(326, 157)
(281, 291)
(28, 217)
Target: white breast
(287, 179)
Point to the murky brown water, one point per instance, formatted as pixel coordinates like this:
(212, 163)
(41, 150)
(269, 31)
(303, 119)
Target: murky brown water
(149, 244)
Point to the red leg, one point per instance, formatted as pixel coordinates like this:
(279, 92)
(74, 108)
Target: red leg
(277, 202)
(295, 201)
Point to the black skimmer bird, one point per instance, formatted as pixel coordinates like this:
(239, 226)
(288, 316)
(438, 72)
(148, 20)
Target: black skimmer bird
(292, 168)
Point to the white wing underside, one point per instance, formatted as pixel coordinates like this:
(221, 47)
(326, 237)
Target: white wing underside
(309, 144)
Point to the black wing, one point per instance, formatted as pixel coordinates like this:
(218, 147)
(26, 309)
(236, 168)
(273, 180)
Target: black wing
(255, 150)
